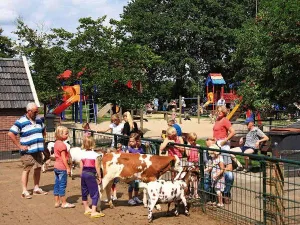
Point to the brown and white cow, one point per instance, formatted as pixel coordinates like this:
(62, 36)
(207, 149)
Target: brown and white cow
(128, 167)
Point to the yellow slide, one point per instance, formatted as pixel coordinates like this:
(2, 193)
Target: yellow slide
(210, 99)
(233, 111)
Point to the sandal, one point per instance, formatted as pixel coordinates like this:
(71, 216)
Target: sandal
(57, 205)
(87, 213)
(26, 195)
(67, 206)
(97, 215)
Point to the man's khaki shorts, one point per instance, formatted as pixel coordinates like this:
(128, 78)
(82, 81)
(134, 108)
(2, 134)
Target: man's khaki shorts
(34, 160)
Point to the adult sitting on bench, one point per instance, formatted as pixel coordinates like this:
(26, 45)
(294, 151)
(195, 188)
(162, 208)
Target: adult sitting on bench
(253, 139)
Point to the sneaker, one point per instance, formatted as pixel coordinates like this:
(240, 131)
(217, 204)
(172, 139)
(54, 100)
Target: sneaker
(131, 202)
(26, 195)
(114, 198)
(39, 191)
(137, 200)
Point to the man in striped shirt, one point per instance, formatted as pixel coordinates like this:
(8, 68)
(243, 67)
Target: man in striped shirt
(32, 131)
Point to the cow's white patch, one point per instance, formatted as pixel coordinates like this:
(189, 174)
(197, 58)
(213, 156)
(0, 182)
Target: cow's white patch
(146, 160)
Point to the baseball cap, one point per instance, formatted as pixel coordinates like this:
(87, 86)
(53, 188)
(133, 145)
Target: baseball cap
(248, 120)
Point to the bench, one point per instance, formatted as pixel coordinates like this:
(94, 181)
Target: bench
(264, 147)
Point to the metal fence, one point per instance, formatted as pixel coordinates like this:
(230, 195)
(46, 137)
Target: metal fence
(268, 194)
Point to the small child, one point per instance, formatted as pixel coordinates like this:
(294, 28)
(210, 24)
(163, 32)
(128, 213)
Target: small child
(61, 168)
(193, 159)
(217, 178)
(90, 177)
(116, 127)
(135, 148)
(174, 114)
(86, 129)
(86, 132)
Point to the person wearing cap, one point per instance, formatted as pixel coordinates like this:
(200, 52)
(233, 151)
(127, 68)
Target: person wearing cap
(253, 139)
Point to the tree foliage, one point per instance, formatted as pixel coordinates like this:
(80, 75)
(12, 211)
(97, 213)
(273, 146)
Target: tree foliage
(193, 37)
(268, 55)
(6, 46)
(104, 55)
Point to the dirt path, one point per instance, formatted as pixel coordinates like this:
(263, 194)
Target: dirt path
(40, 209)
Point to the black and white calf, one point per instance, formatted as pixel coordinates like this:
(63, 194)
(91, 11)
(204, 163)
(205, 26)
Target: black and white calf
(75, 155)
(167, 192)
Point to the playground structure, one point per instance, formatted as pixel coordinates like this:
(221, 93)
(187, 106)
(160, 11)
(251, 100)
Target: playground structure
(73, 96)
(215, 91)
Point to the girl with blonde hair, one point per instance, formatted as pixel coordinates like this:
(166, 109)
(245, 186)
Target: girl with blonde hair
(90, 177)
(129, 127)
(61, 168)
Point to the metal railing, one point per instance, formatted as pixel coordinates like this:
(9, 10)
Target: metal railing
(268, 194)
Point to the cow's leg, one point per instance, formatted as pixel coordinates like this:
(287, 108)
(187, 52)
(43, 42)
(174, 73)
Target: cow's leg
(145, 197)
(183, 199)
(177, 203)
(151, 203)
(108, 194)
(168, 210)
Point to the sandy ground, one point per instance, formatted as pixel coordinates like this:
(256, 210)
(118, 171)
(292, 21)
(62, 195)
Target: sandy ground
(156, 123)
(40, 209)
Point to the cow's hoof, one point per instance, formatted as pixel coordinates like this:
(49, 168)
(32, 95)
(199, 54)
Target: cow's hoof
(150, 220)
(187, 214)
(176, 213)
(111, 206)
(145, 206)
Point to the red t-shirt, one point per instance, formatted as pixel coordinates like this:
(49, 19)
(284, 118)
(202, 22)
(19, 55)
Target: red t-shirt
(174, 150)
(221, 128)
(59, 147)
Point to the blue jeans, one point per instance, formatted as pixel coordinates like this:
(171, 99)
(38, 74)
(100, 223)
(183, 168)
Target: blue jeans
(133, 185)
(207, 189)
(60, 182)
(229, 179)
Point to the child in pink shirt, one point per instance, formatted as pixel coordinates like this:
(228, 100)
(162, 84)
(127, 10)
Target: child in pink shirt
(61, 168)
(193, 160)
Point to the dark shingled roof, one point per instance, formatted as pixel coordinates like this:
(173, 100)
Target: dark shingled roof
(15, 90)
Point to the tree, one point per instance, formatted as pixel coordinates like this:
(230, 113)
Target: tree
(6, 46)
(46, 61)
(193, 37)
(104, 56)
(268, 54)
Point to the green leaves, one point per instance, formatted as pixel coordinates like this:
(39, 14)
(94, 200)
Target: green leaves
(6, 46)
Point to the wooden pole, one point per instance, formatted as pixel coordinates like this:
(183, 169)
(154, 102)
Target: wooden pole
(180, 107)
(141, 119)
(198, 108)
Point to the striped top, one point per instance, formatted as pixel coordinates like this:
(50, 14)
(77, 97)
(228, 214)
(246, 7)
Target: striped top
(88, 159)
(31, 133)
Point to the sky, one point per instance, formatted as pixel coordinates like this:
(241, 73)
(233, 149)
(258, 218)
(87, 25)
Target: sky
(55, 13)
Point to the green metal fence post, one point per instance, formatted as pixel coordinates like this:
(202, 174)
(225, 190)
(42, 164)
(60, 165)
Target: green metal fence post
(264, 172)
(74, 137)
(201, 167)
